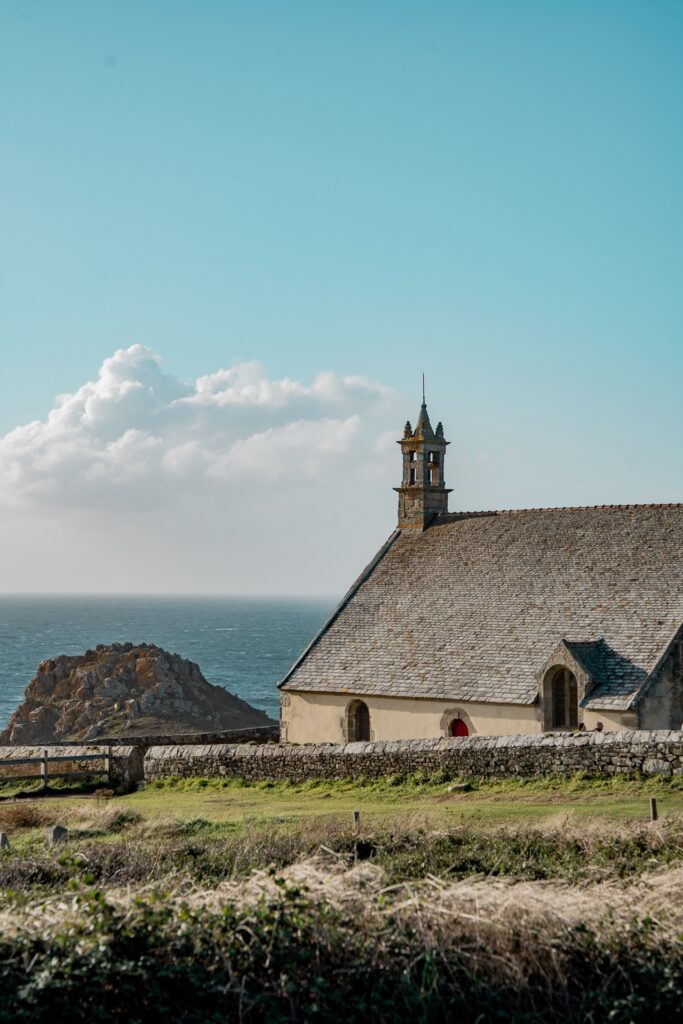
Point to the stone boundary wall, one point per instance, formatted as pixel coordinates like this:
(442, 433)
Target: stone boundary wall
(127, 761)
(260, 734)
(606, 753)
(611, 753)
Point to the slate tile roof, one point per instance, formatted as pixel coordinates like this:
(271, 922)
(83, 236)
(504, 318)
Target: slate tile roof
(472, 608)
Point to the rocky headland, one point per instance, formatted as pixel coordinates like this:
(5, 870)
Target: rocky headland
(124, 690)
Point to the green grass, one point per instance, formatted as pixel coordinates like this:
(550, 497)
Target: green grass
(579, 799)
(213, 829)
(10, 790)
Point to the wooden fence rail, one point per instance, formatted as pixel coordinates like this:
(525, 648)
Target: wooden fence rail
(45, 760)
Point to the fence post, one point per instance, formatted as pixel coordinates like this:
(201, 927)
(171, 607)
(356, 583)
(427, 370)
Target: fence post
(653, 808)
(107, 763)
(44, 771)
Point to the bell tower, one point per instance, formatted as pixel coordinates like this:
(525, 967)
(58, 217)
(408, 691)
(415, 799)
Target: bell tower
(423, 492)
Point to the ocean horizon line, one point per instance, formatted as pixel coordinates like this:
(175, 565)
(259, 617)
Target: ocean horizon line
(243, 643)
(161, 595)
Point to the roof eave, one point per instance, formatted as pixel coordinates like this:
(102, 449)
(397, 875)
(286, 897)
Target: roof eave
(357, 584)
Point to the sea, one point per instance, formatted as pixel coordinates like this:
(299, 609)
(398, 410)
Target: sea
(243, 644)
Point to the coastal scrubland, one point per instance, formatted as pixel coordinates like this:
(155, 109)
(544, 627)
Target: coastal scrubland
(204, 900)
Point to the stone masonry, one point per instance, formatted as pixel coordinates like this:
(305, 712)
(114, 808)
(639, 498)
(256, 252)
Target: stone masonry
(127, 757)
(262, 734)
(126, 761)
(657, 752)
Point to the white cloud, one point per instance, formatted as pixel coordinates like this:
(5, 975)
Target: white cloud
(235, 482)
(137, 434)
(296, 450)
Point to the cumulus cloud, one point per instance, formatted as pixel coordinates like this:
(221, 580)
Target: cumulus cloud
(137, 433)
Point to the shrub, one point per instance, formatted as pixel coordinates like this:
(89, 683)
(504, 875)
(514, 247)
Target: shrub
(23, 814)
(293, 959)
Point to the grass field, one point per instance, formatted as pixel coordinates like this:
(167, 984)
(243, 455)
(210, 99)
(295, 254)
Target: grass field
(204, 900)
(577, 800)
(617, 800)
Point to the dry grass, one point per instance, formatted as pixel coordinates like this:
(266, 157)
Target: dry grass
(23, 814)
(89, 816)
(482, 907)
(556, 905)
(100, 819)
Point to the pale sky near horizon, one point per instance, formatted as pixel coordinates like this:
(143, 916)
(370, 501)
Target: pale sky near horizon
(234, 234)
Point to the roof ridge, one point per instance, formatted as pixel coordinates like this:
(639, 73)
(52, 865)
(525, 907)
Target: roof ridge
(562, 508)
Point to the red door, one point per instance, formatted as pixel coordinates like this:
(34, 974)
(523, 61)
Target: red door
(458, 728)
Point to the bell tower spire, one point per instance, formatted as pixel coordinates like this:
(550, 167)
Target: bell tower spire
(423, 492)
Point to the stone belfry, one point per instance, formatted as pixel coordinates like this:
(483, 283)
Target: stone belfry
(423, 492)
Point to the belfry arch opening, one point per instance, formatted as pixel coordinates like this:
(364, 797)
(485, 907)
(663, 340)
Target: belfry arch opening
(357, 721)
(561, 699)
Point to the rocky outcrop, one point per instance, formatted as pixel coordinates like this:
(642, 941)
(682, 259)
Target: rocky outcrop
(124, 690)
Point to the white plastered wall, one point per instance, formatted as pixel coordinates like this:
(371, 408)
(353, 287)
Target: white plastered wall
(612, 721)
(320, 718)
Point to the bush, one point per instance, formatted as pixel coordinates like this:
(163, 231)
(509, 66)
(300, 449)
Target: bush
(292, 959)
(22, 814)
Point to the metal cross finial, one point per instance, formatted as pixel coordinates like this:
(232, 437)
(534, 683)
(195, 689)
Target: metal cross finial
(423, 389)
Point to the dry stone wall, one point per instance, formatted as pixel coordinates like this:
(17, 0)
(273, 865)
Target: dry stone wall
(262, 734)
(613, 753)
(630, 753)
(127, 762)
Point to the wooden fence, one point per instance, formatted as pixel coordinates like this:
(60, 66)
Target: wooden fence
(46, 761)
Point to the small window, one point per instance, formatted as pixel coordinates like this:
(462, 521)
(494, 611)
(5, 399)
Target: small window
(429, 477)
(412, 476)
(412, 457)
(358, 721)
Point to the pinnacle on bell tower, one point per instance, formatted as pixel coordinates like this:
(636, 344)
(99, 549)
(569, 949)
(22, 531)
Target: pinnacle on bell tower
(423, 493)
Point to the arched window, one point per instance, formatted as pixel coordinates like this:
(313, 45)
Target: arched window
(458, 728)
(565, 704)
(357, 721)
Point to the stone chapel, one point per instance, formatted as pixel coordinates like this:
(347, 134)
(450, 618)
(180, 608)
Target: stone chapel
(500, 622)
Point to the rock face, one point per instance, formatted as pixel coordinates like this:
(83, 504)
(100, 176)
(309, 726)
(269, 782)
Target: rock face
(124, 690)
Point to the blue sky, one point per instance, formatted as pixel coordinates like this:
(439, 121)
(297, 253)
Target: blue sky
(489, 192)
